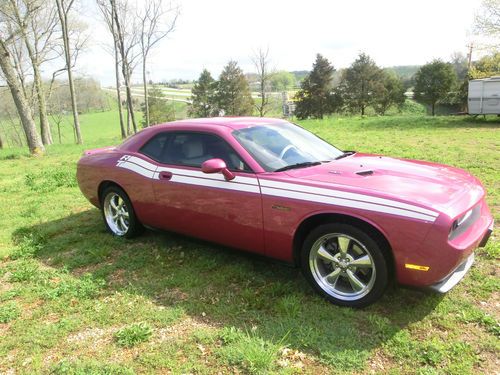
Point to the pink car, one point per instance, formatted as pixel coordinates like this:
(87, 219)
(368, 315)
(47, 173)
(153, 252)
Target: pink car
(351, 221)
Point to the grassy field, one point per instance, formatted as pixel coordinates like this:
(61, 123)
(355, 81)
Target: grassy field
(75, 300)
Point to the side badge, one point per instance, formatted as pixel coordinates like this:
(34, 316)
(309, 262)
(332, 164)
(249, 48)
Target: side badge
(280, 208)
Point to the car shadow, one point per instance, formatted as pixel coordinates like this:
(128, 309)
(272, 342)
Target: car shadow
(223, 287)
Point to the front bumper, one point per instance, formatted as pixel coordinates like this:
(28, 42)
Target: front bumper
(486, 236)
(454, 278)
(458, 274)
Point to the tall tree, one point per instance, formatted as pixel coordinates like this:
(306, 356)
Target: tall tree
(127, 41)
(105, 8)
(261, 62)
(233, 91)
(316, 97)
(390, 91)
(433, 82)
(487, 21)
(63, 10)
(460, 64)
(156, 23)
(360, 82)
(282, 81)
(486, 66)
(203, 100)
(36, 23)
(35, 144)
(160, 109)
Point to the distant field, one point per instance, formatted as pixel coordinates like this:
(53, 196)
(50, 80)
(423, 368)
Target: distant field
(71, 295)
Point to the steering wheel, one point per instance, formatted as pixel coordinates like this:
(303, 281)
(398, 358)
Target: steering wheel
(286, 149)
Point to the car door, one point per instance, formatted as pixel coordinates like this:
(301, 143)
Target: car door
(206, 205)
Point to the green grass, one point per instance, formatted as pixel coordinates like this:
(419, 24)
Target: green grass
(72, 296)
(133, 334)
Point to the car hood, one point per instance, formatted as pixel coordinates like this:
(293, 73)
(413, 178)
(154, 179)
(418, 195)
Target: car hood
(432, 185)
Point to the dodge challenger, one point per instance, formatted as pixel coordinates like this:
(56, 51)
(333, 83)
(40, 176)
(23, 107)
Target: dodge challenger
(351, 221)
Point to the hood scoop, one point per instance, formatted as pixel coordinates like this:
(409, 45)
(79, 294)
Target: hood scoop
(365, 173)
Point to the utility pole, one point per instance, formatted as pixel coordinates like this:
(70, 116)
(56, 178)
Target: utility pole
(470, 46)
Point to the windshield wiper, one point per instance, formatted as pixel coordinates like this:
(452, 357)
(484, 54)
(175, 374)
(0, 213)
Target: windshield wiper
(345, 154)
(298, 165)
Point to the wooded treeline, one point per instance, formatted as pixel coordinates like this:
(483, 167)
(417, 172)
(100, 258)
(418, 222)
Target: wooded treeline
(41, 42)
(39, 35)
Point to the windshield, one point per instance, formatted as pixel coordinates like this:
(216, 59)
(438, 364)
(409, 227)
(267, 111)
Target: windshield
(285, 145)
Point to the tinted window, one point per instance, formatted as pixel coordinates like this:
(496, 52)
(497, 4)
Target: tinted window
(192, 149)
(155, 146)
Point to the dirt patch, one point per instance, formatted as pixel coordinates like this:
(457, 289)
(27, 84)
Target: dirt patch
(98, 336)
(182, 329)
(117, 277)
(300, 361)
(378, 363)
(80, 271)
(492, 305)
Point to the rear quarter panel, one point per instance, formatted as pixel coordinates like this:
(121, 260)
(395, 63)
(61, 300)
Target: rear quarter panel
(94, 169)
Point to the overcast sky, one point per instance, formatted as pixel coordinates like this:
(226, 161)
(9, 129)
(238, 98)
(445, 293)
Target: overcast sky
(209, 33)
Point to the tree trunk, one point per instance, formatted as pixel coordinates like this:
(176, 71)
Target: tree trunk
(63, 17)
(42, 108)
(433, 108)
(129, 98)
(37, 78)
(262, 97)
(124, 133)
(125, 67)
(146, 99)
(118, 93)
(1, 142)
(59, 132)
(128, 121)
(34, 143)
(362, 110)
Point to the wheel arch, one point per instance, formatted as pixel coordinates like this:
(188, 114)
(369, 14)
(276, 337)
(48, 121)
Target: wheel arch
(317, 219)
(104, 185)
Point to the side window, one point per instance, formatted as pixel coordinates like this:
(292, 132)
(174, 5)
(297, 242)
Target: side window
(154, 148)
(192, 149)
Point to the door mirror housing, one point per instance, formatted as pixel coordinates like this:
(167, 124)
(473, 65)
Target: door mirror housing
(217, 166)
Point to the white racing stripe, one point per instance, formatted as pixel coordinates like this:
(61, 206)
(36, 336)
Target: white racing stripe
(216, 184)
(214, 176)
(344, 203)
(136, 168)
(143, 163)
(278, 189)
(344, 194)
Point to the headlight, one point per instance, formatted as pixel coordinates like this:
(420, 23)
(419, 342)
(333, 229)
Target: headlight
(463, 222)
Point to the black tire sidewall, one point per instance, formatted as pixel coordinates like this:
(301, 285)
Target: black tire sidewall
(381, 279)
(134, 224)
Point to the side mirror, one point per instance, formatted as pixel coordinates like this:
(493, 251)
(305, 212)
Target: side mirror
(217, 166)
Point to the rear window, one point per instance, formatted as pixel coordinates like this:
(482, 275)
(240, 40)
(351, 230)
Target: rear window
(155, 147)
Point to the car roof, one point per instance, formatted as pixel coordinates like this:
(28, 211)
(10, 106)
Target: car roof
(230, 122)
(227, 124)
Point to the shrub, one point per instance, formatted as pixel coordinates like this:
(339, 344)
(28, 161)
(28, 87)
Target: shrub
(27, 246)
(9, 312)
(254, 354)
(133, 334)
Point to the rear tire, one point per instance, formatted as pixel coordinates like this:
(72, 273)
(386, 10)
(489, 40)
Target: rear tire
(118, 213)
(344, 264)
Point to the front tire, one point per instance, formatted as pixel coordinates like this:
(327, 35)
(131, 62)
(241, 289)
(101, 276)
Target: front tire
(344, 264)
(118, 213)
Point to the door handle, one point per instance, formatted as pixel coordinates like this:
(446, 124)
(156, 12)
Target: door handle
(165, 176)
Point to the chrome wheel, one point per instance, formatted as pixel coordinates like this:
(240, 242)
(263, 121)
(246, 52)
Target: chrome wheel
(342, 266)
(116, 214)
